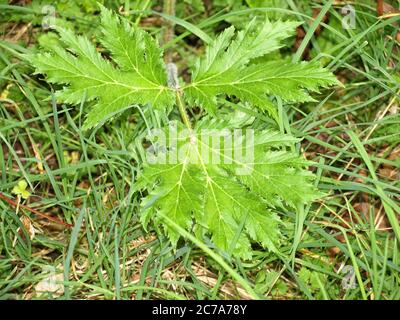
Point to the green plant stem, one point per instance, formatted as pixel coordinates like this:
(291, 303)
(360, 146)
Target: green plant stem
(217, 258)
(182, 109)
(169, 9)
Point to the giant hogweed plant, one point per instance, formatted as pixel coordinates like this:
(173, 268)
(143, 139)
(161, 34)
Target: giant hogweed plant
(235, 202)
